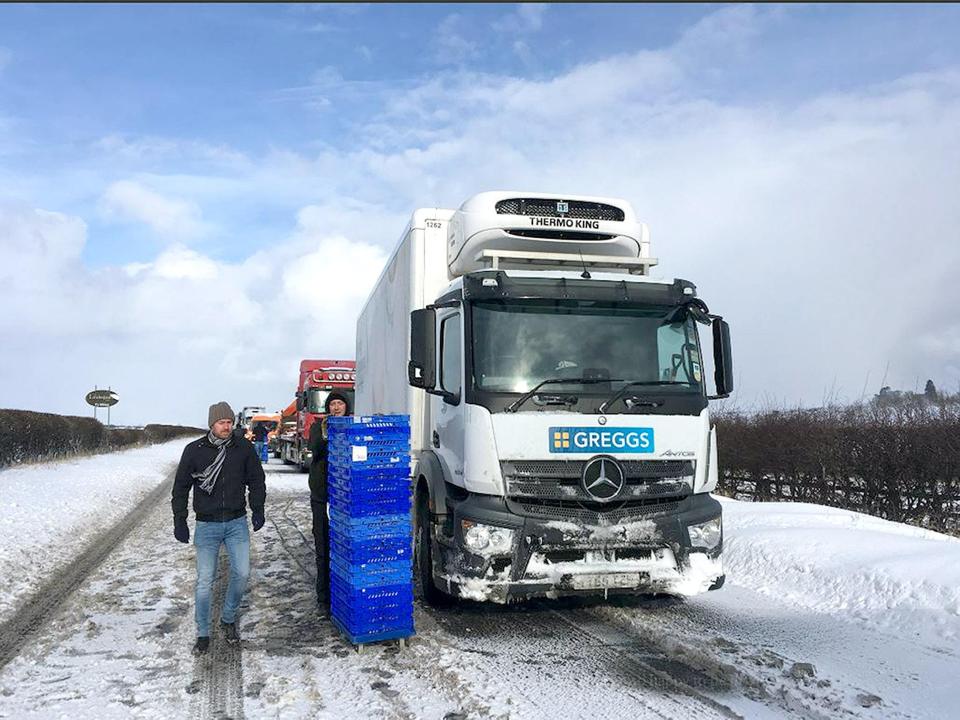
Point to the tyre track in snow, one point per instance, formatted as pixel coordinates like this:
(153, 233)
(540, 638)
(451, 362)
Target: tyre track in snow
(36, 610)
(560, 662)
(217, 687)
(583, 656)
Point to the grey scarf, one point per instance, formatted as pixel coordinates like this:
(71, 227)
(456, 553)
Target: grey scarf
(208, 477)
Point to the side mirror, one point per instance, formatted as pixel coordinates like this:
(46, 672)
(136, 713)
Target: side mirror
(722, 358)
(299, 401)
(422, 368)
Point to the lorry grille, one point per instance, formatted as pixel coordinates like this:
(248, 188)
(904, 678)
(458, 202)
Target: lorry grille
(552, 488)
(560, 479)
(547, 207)
(597, 515)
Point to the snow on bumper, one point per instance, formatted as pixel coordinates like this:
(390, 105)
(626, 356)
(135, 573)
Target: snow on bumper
(555, 558)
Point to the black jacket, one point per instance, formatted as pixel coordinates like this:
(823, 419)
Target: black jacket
(241, 472)
(318, 465)
(317, 443)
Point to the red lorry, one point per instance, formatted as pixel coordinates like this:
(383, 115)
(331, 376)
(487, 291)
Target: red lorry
(317, 379)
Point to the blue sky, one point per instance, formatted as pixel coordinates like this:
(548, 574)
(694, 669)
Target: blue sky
(156, 149)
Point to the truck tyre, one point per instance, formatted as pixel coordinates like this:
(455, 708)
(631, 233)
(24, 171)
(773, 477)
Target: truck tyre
(423, 558)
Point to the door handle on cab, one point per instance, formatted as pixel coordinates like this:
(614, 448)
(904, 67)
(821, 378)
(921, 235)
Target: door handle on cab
(436, 439)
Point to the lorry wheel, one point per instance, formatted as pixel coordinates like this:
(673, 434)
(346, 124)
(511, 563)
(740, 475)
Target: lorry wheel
(423, 559)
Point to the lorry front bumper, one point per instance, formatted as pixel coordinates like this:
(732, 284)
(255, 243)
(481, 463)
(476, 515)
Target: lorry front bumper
(554, 557)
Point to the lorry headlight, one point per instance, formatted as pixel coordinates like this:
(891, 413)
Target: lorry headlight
(486, 539)
(706, 535)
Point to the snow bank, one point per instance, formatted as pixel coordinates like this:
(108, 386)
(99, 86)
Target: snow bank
(899, 579)
(49, 512)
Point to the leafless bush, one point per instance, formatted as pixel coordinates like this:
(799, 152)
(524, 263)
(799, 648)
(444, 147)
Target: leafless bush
(27, 436)
(899, 461)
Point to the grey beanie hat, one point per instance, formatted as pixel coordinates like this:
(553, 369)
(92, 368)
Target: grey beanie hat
(219, 411)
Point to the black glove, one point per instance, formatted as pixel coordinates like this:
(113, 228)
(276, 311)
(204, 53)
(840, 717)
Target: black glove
(180, 530)
(258, 520)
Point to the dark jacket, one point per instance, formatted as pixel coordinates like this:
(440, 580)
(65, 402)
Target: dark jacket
(260, 432)
(241, 472)
(318, 464)
(317, 443)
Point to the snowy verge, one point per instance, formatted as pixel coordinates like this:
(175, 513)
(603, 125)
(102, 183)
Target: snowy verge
(50, 512)
(900, 580)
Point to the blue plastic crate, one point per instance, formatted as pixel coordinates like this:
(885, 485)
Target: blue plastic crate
(363, 621)
(368, 478)
(382, 596)
(380, 461)
(368, 575)
(360, 501)
(373, 464)
(353, 514)
(361, 552)
(394, 530)
(370, 526)
(371, 442)
(396, 486)
(343, 455)
(399, 434)
(373, 635)
(360, 617)
(368, 421)
(369, 506)
(363, 503)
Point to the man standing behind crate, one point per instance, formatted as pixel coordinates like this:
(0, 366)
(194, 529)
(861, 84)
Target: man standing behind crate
(222, 468)
(338, 405)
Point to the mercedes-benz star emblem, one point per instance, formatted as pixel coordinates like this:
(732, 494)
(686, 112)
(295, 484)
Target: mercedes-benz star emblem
(602, 478)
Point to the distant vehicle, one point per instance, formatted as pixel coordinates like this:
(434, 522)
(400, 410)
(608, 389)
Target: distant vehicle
(560, 435)
(272, 423)
(245, 415)
(318, 378)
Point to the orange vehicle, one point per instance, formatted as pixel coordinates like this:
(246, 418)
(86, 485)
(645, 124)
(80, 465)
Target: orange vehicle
(272, 421)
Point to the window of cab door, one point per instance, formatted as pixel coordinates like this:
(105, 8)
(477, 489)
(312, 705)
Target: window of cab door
(450, 354)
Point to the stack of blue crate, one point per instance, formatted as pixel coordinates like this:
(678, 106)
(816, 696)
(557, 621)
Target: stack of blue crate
(371, 582)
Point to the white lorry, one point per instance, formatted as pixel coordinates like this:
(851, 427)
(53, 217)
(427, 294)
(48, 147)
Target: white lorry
(560, 436)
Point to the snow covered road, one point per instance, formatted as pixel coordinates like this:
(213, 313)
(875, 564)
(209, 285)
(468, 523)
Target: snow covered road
(825, 614)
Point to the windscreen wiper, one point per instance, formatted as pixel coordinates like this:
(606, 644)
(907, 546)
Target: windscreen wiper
(636, 383)
(556, 381)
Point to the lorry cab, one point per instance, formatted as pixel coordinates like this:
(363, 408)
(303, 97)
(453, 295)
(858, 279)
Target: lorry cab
(317, 379)
(558, 401)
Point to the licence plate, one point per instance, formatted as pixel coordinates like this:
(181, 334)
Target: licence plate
(603, 581)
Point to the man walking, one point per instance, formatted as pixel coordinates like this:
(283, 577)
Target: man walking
(222, 468)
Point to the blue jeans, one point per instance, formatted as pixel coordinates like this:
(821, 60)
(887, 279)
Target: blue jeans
(208, 537)
(261, 446)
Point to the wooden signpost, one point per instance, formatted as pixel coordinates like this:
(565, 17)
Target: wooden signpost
(102, 398)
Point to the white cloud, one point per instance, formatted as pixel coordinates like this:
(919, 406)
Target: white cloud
(527, 18)
(180, 331)
(451, 44)
(147, 150)
(37, 244)
(170, 218)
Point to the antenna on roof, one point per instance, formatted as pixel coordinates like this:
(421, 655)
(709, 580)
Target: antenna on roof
(585, 274)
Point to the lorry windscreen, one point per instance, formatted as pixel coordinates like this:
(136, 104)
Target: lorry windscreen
(315, 400)
(518, 343)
